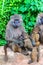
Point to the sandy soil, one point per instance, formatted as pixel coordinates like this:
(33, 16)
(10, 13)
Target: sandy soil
(18, 58)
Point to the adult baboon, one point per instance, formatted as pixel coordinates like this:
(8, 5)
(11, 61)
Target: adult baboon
(37, 35)
(16, 36)
(39, 19)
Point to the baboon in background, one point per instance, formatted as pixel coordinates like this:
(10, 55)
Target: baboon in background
(39, 19)
(16, 36)
(37, 34)
(39, 23)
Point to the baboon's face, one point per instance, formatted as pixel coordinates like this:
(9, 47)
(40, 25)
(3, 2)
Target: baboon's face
(16, 21)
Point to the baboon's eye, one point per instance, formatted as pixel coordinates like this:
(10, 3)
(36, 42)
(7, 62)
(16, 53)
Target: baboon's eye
(16, 21)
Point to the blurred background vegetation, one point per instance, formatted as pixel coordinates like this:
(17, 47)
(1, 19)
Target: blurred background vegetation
(27, 8)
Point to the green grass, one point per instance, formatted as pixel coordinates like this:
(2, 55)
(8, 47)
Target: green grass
(28, 10)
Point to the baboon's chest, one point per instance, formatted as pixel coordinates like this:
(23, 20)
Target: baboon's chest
(16, 33)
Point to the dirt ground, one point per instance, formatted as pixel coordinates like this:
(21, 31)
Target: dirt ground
(18, 58)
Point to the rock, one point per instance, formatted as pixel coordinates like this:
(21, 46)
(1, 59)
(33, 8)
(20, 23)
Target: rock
(18, 58)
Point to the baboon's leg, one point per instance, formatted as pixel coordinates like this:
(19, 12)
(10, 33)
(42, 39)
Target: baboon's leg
(5, 50)
(38, 55)
(33, 55)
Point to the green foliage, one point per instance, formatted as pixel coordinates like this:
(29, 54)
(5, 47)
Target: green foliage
(27, 8)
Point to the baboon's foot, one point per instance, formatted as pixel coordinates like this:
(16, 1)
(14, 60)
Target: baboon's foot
(37, 60)
(25, 52)
(30, 62)
(5, 58)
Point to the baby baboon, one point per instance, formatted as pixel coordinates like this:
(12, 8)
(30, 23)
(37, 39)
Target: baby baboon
(39, 23)
(35, 51)
(33, 46)
(27, 42)
(35, 35)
